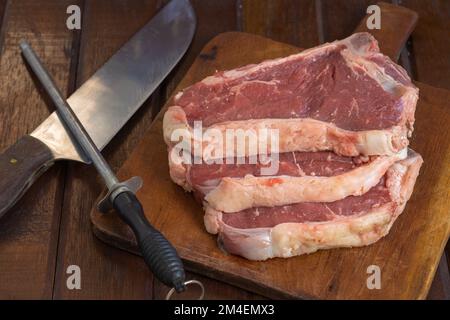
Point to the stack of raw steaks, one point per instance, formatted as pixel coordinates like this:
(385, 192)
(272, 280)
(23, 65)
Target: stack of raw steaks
(341, 114)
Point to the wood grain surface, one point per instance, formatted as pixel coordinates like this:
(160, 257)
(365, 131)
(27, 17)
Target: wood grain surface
(29, 231)
(288, 21)
(408, 256)
(430, 50)
(35, 248)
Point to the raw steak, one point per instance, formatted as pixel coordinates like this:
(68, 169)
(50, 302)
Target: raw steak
(285, 231)
(301, 177)
(343, 113)
(343, 96)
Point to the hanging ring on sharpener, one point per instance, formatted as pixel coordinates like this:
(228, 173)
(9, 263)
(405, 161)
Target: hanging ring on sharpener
(187, 283)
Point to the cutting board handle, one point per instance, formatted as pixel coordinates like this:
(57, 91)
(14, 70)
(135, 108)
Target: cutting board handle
(397, 23)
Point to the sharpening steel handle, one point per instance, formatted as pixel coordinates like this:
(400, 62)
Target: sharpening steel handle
(159, 255)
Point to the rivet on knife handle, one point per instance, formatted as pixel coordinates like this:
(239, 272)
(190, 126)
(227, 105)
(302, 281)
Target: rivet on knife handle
(159, 254)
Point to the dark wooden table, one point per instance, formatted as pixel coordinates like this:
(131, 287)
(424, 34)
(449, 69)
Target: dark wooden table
(49, 229)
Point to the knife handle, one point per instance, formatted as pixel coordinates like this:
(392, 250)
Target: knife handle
(159, 255)
(20, 165)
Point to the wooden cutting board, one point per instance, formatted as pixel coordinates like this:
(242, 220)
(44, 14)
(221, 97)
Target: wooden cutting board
(407, 256)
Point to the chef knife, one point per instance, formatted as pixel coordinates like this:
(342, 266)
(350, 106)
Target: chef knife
(104, 103)
(158, 253)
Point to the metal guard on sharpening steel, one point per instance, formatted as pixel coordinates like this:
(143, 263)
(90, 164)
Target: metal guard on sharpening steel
(133, 184)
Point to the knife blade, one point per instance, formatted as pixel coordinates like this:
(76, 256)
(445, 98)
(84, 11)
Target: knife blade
(104, 103)
(110, 97)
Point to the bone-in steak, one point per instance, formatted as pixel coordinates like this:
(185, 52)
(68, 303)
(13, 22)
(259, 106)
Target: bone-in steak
(344, 96)
(285, 231)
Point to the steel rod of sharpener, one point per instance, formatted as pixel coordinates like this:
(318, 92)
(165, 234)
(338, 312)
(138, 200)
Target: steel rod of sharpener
(159, 254)
(69, 117)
